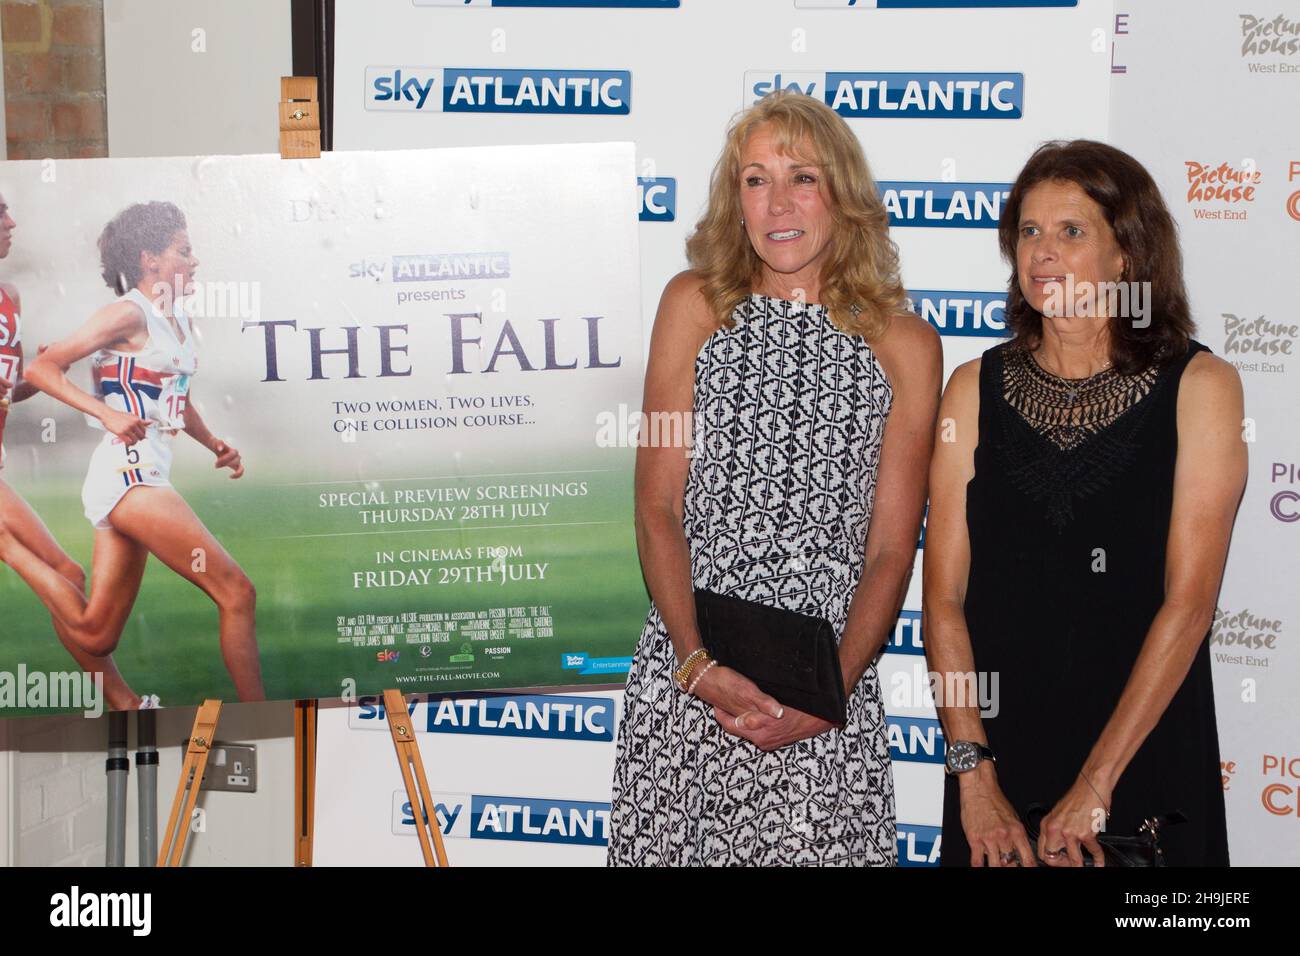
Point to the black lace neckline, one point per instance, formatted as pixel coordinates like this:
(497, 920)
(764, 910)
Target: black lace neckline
(1069, 411)
(1061, 441)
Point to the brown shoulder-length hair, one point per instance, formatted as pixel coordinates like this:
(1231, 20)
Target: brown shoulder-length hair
(1146, 234)
(860, 284)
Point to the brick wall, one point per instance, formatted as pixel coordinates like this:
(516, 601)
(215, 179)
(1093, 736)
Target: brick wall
(54, 78)
(61, 801)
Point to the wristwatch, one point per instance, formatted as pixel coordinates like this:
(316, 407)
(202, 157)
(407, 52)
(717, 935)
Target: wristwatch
(965, 755)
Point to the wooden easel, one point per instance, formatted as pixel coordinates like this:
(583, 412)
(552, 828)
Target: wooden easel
(408, 759)
(172, 845)
(304, 780)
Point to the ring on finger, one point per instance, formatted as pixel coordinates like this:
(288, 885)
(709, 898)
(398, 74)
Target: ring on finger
(1010, 857)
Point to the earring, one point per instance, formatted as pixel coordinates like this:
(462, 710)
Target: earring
(742, 220)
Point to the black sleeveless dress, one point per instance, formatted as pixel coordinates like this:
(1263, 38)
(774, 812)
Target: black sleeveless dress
(1068, 515)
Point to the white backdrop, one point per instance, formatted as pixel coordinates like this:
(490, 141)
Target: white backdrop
(1235, 101)
(674, 77)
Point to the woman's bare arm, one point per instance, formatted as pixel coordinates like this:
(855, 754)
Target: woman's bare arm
(913, 360)
(116, 325)
(1209, 477)
(992, 827)
(682, 325)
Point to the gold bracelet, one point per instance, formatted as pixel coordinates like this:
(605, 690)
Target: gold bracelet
(683, 673)
(700, 676)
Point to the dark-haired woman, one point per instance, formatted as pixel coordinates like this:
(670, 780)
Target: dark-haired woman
(142, 352)
(1082, 497)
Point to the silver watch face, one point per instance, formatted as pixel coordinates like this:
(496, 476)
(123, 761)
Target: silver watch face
(962, 755)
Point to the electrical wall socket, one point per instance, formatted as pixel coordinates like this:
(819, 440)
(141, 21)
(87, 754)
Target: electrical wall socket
(231, 767)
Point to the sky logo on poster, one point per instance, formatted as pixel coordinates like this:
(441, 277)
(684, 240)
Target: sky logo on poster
(901, 95)
(408, 88)
(906, 638)
(449, 266)
(368, 268)
(915, 739)
(918, 845)
(658, 199)
(961, 313)
(954, 205)
(519, 819)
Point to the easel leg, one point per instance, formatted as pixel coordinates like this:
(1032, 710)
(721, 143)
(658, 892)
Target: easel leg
(412, 767)
(196, 762)
(304, 790)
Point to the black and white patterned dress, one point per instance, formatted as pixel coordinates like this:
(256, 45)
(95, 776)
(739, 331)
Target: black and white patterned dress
(789, 420)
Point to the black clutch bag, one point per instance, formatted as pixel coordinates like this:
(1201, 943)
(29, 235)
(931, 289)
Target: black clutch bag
(1140, 849)
(792, 656)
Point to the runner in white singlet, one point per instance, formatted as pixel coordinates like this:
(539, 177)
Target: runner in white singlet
(142, 352)
(152, 384)
(25, 541)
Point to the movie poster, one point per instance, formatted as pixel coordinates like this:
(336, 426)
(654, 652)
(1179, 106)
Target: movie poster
(317, 428)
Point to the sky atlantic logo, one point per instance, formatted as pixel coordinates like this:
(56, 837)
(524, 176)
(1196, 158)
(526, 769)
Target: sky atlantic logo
(426, 89)
(899, 95)
(906, 638)
(918, 845)
(951, 205)
(961, 313)
(658, 197)
(520, 819)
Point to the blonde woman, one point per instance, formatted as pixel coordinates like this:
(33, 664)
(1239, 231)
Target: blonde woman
(812, 393)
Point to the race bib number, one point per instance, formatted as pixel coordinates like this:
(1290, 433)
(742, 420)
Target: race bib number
(172, 402)
(9, 368)
(135, 461)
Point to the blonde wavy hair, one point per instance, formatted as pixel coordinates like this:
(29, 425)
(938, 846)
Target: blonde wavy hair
(860, 284)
